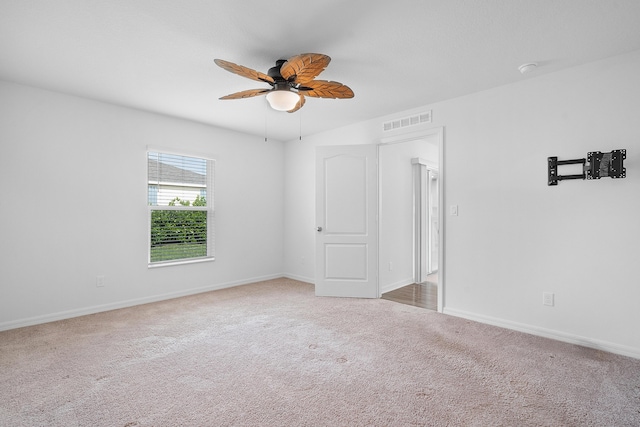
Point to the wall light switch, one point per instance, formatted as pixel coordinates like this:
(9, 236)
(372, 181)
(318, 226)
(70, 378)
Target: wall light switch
(453, 210)
(547, 298)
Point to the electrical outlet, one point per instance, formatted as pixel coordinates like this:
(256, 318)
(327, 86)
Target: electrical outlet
(99, 281)
(547, 298)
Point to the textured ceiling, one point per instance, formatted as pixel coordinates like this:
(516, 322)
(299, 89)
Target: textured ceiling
(396, 55)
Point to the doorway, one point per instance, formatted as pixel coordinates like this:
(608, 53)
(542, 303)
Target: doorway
(411, 219)
(423, 292)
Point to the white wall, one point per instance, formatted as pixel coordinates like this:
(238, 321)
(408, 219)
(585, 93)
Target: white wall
(85, 212)
(516, 237)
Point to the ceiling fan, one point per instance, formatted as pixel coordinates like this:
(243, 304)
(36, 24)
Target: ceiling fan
(291, 80)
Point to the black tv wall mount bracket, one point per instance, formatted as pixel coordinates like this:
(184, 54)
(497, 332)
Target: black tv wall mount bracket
(595, 166)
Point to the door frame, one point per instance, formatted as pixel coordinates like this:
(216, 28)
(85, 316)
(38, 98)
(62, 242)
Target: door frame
(439, 133)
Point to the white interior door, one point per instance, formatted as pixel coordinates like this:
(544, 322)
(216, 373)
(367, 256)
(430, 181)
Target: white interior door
(346, 212)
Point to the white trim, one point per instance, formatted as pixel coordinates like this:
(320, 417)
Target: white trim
(179, 152)
(441, 221)
(428, 164)
(547, 333)
(179, 208)
(62, 315)
(299, 278)
(177, 184)
(396, 285)
(181, 262)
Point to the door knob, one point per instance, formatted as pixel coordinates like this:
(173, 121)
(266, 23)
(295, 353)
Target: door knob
(319, 229)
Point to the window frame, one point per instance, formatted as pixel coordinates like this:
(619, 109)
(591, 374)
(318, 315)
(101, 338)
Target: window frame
(210, 208)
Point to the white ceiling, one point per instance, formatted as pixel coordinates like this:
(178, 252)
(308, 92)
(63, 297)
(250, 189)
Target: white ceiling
(396, 55)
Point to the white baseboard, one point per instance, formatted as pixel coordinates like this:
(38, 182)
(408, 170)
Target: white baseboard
(548, 333)
(393, 286)
(30, 321)
(300, 278)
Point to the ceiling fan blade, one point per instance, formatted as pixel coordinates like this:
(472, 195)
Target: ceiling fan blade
(298, 105)
(304, 67)
(244, 71)
(247, 93)
(326, 89)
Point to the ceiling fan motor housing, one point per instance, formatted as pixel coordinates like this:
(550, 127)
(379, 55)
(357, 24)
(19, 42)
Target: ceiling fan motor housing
(274, 72)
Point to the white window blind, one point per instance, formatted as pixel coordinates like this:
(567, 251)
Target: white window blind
(180, 198)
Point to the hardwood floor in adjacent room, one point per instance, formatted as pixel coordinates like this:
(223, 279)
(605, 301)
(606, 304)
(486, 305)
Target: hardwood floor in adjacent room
(423, 295)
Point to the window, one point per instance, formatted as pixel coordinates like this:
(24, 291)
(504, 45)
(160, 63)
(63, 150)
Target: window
(180, 198)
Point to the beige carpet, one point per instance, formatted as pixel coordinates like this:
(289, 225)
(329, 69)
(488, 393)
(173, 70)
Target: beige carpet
(272, 354)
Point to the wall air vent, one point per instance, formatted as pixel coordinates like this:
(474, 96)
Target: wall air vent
(407, 121)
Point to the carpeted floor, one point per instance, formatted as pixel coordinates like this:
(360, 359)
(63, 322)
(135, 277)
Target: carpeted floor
(272, 354)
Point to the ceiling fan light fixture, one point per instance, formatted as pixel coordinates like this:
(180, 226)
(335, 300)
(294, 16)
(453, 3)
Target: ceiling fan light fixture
(282, 99)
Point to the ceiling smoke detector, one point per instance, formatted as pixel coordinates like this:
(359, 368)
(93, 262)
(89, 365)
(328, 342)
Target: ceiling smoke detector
(527, 68)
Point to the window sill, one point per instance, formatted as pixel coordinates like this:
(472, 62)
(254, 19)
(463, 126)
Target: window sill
(180, 262)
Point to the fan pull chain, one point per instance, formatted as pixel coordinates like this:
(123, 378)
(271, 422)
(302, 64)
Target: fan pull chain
(265, 127)
(300, 115)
